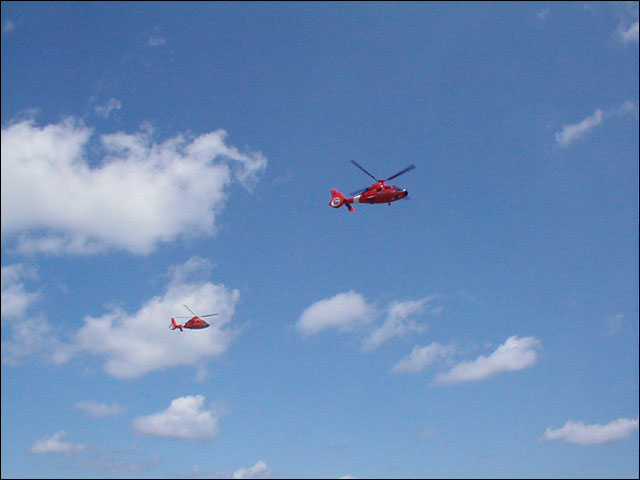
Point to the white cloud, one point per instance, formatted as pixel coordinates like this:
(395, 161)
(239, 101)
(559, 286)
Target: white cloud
(98, 410)
(15, 297)
(629, 34)
(137, 344)
(30, 336)
(421, 357)
(105, 110)
(259, 470)
(572, 132)
(156, 41)
(185, 419)
(54, 444)
(397, 323)
(138, 194)
(345, 311)
(580, 433)
(27, 334)
(8, 26)
(515, 354)
(543, 13)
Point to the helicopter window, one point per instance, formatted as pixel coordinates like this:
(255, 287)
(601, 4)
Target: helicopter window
(379, 189)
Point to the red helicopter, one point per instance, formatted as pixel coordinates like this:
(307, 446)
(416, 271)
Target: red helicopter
(195, 323)
(379, 192)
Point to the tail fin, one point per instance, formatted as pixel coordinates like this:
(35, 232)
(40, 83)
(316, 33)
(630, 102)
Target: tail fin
(338, 199)
(175, 325)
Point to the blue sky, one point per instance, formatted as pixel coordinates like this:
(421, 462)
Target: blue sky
(161, 154)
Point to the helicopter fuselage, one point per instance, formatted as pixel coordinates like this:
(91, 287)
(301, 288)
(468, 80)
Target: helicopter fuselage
(380, 192)
(196, 323)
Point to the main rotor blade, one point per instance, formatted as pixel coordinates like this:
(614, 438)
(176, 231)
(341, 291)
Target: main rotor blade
(190, 310)
(410, 167)
(360, 167)
(210, 315)
(358, 192)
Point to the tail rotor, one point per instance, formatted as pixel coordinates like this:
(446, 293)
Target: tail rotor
(338, 199)
(175, 325)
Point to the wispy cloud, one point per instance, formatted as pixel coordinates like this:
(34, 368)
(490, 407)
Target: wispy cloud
(584, 434)
(572, 132)
(98, 410)
(54, 444)
(185, 419)
(543, 13)
(105, 110)
(15, 297)
(140, 194)
(397, 323)
(32, 333)
(630, 34)
(515, 354)
(8, 26)
(259, 470)
(345, 311)
(156, 41)
(421, 357)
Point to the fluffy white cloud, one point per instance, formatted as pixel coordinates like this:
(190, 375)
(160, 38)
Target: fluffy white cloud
(421, 357)
(515, 354)
(259, 470)
(397, 323)
(139, 343)
(579, 432)
(345, 311)
(350, 312)
(58, 198)
(185, 419)
(54, 444)
(97, 410)
(15, 298)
